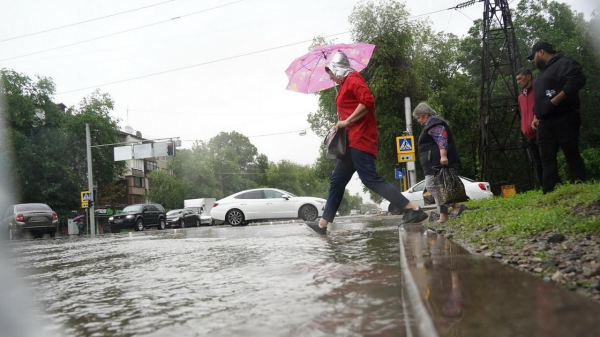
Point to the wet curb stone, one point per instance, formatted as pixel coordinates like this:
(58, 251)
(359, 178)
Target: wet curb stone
(572, 262)
(472, 295)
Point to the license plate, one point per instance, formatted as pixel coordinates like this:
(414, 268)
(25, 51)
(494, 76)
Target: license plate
(37, 218)
(118, 220)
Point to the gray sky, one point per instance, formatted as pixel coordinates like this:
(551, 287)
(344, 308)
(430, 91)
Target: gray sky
(219, 89)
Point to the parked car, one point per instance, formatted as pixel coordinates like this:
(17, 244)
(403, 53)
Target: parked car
(183, 218)
(475, 191)
(138, 217)
(204, 217)
(38, 219)
(265, 204)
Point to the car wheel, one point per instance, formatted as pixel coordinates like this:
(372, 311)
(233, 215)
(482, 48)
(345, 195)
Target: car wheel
(309, 213)
(197, 223)
(139, 225)
(182, 223)
(52, 234)
(162, 225)
(395, 210)
(235, 217)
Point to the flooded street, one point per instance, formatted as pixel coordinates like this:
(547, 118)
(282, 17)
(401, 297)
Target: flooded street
(255, 280)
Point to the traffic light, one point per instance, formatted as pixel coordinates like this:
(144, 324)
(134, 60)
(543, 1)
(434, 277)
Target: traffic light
(171, 148)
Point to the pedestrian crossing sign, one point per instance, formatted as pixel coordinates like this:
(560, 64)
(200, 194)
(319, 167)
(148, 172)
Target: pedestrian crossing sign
(405, 144)
(85, 197)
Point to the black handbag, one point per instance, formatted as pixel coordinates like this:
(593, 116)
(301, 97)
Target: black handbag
(449, 187)
(336, 143)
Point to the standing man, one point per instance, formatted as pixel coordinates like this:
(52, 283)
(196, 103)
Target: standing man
(556, 106)
(525, 82)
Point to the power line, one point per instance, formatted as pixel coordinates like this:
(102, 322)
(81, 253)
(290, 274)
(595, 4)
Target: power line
(255, 136)
(86, 21)
(212, 113)
(196, 65)
(121, 32)
(222, 59)
(465, 15)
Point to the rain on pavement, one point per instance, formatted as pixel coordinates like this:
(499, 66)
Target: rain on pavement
(255, 280)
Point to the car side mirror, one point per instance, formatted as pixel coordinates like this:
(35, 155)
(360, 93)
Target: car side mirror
(286, 197)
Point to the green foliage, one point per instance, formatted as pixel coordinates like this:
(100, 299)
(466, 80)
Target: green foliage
(227, 164)
(591, 158)
(568, 31)
(47, 146)
(526, 214)
(167, 190)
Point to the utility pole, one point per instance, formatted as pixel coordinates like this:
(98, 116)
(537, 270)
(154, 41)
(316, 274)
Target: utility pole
(411, 172)
(88, 141)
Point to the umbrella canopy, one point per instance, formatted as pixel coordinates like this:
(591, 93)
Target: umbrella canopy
(307, 73)
(78, 217)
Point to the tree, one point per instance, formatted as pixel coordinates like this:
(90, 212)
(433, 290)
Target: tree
(232, 158)
(298, 179)
(167, 190)
(48, 144)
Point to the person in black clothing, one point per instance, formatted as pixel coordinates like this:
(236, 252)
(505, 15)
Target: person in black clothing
(436, 148)
(556, 107)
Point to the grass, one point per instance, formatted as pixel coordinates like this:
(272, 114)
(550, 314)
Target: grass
(530, 213)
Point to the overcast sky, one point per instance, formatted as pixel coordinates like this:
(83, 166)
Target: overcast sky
(222, 63)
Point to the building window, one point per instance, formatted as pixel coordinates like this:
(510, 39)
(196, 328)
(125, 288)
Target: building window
(138, 182)
(138, 199)
(138, 164)
(151, 166)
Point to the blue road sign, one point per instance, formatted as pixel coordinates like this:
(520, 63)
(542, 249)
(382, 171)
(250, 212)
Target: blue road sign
(86, 196)
(400, 173)
(405, 144)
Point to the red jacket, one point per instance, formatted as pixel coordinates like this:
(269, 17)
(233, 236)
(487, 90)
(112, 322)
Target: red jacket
(362, 134)
(526, 105)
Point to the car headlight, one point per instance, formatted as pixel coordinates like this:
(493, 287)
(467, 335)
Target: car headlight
(131, 216)
(111, 218)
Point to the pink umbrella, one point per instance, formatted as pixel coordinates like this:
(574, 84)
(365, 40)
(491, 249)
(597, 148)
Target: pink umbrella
(78, 217)
(307, 73)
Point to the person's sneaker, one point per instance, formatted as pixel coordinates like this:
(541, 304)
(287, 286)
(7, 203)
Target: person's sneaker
(314, 225)
(413, 216)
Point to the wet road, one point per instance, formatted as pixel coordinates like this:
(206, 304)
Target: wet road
(256, 280)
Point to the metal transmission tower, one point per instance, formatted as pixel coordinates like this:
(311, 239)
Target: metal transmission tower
(502, 148)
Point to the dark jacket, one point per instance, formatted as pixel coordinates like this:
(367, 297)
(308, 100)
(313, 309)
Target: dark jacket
(429, 152)
(560, 74)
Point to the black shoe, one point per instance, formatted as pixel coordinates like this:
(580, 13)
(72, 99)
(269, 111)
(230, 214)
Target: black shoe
(314, 225)
(413, 216)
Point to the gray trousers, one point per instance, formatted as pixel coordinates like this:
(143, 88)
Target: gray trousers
(443, 209)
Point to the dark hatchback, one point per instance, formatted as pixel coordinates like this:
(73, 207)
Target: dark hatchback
(39, 219)
(138, 217)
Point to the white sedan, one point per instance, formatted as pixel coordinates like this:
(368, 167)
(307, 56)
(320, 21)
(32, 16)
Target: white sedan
(265, 204)
(475, 190)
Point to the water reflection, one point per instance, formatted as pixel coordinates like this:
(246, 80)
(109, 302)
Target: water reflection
(271, 280)
(471, 295)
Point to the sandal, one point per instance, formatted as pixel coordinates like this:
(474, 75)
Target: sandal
(460, 210)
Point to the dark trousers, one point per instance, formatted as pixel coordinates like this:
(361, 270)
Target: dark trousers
(364, 163)
(561, 131)
(536, 159)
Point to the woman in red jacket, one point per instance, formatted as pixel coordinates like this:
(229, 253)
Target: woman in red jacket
(356, 112)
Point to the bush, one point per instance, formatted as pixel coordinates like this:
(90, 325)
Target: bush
(591, 158)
